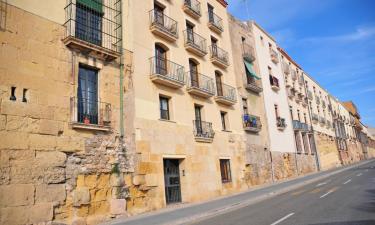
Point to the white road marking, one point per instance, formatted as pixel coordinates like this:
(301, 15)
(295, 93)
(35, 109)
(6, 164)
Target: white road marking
(326, 194)
(347, 181)
(360, 174)
(321, 184)
(282, 219)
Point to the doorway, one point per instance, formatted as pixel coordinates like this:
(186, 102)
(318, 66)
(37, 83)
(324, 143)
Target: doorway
(172, 180)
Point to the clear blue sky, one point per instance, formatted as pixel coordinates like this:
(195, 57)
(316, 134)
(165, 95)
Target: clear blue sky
(332, 40)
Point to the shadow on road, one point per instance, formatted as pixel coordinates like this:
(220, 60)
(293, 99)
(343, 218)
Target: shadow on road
(368, 206)
(358, 222)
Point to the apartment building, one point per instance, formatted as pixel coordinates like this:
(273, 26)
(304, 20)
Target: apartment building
(280, 129)
(250, 94)
(299, 112)
(63, 155)
(188, 131)
(324, 133)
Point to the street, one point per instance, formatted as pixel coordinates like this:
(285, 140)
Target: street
(346, 198)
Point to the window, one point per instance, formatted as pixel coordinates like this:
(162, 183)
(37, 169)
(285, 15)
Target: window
(224, 120)
(305, 118)
(24, 95)
(298, 115)
(225, 170)
(160, 60)
(190, 31)
(13, 94)
(164, 108)
(276, 111)
(214, 46)
(87, 95)
(219, 84)
(291, 111)
(244, 105)
(89, 21)
(194, 79)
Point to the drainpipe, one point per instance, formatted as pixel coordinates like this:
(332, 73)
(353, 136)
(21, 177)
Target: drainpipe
(121, 80)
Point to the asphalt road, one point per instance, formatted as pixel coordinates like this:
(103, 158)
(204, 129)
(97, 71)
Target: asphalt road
(346, 198)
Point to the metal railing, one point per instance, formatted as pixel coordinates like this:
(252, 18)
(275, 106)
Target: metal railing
(280, 122)
(286, 67)
(293, 74)
(200, 81)
(291, 92)
(203, 129)
(90, 112)
(219, 54)
(251, 121)
(226, 91)
(98, 23)
(274, 55)
(193, 5)
(215, 20)
(322, 119)
(168, 69)
(297, 125)
(163, 22)
(300, 79)
(274, 81)
(248, 52)
(310, 95)
(195, 40)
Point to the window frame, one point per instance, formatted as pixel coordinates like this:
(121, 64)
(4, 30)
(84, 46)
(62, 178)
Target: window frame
(168, 111)
(225, 170)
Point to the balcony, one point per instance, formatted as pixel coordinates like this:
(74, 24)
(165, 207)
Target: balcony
(195, 43)
(90, 115)
(299, 98)
(215, 23)
(310, 95)
(280, 123)
(251, 123)
(225, 94)
(328, 124)
(203, 131)
(99, 36)
(291, 93)
(219, 56)
(322, 120)
(192, 8)
(317, 99)
(166, 73)
(163, 26)
(274, 56)
(248, 52)
(293, 74)
(324, 104)
(300, 80)
(297, 125)
(200, 85)
(286, 68)
(253, 85)
(274, 83)
(315, 117)
(305, 102)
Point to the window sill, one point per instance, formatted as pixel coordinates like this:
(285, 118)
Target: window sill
(95, 127)
(169, 121)
(227, 131)
(226, 182)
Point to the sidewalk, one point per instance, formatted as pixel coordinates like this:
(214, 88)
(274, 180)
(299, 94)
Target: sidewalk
(186, 212)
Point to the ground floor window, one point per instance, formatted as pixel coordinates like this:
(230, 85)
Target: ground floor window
(225, 170)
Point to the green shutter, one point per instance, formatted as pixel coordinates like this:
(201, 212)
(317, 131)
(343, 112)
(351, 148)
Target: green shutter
(96, 5)
(250, 71)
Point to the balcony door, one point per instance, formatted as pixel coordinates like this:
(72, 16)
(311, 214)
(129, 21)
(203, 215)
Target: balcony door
(190, 32)
(89, 22)
(160, 60)
(214, 47)
(87, 95)
(159, 15)
(219, 84)
(210, 13)
(198, 119)
(193, 73)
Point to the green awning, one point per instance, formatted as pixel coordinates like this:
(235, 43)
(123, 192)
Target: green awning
(250, 71)
(96, 5)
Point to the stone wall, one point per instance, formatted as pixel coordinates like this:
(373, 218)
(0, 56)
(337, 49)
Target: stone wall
(327, 151)
(50, 171)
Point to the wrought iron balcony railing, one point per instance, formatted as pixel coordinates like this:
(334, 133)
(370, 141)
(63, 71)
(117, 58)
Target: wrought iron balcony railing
(200, 84)
(193, 8)
(286, 68)
(274, 56)
(322, 120)
(203, 129)
(315, 117)
(166, 72)
(251, 123)
(280, 123)
(94, 25)
(90, 112)
(226, 92)
(297, 125)
(219, 54)
(310, 95)
(253, 85)
(248, 52)
(195, 43)
(163, 25)
(215, 22)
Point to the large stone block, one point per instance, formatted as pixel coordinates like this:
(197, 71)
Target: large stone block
(50, 193)
(50, 127)
(16, 195)
(50, 158)
(2, 122)
(42, 212)
(81, 196)
(151, 180)
(14, 215)
(70, 144)
(42, 142)
(13, 140)
(118, 206)
(139, 179)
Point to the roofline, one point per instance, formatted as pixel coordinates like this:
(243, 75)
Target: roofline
(283, 52)
(264, 31)
(223, 3)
